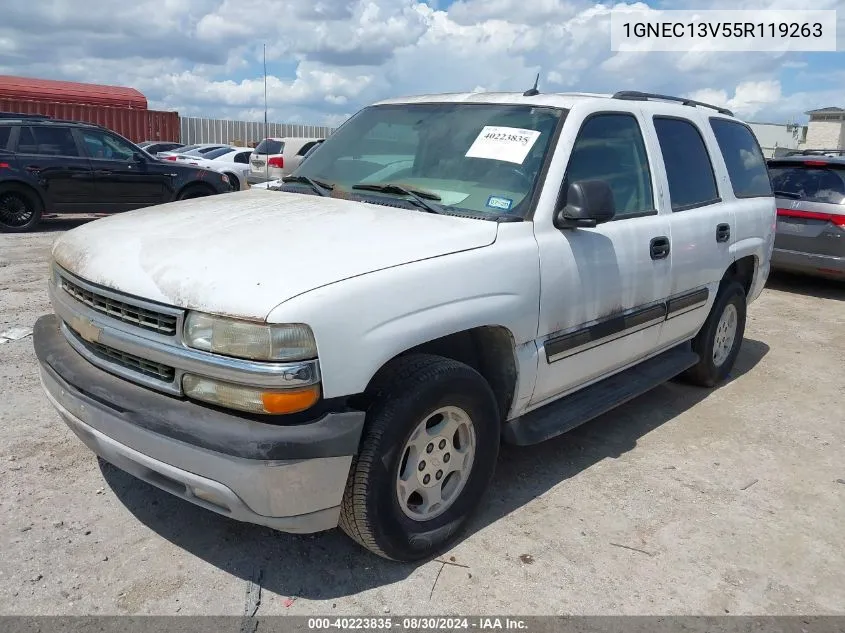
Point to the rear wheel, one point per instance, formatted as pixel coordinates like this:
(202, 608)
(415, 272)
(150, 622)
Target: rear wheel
(720, 338)
(428, 453)
(195, 191)
(20, 209)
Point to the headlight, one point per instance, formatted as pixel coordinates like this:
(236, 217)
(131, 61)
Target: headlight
(245, 339)
(224, 178)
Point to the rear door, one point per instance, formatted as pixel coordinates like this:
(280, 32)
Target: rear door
(810, 197)
(702, 228)
(121, 181)
(50, 154)
(259, 166)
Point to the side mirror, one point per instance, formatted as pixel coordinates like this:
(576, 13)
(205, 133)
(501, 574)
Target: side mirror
(139, 157)
(588, 203)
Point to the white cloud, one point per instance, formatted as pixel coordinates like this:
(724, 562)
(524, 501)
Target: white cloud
(327, 58)
(749, 98)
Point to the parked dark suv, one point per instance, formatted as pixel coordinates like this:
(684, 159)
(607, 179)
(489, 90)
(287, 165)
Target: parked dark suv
(48, 165)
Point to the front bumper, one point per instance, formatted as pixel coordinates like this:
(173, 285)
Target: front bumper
(809, 263)
(253, 178)
(290, 478)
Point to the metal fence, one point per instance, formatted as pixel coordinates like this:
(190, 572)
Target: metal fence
(202, 130)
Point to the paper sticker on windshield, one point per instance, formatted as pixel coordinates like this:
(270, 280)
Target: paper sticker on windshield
(496, 202)
(510, 144)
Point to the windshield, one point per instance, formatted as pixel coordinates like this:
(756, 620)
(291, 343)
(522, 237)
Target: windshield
(269, 146)
(476, 157)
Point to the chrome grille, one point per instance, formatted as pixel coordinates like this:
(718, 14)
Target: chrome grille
(135, 363)
(126, 312)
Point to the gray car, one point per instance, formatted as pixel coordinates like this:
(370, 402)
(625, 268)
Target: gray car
(810, 194)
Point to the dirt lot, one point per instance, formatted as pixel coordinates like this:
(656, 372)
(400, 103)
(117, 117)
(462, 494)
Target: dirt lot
(683, 502)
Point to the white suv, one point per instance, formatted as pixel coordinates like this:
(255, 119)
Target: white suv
(274, 158)
(444, 274)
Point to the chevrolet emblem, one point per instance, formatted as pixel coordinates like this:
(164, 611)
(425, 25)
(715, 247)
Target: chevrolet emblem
(86, 329)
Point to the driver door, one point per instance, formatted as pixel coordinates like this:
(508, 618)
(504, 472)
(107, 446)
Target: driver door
(121, 182)
(603, 289)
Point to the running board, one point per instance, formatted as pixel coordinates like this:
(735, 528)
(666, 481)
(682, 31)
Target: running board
(573, 410)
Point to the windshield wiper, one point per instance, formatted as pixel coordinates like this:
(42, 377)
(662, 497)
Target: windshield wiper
(787, 194)
(420, 196)
(320, 186)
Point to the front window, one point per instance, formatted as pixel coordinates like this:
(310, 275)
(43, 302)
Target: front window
(481, 158)
(99, 144)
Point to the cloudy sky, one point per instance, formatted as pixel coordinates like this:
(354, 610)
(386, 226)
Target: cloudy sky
(327, 58)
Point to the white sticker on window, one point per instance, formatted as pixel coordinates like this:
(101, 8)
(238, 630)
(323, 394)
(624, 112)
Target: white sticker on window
(510, 144)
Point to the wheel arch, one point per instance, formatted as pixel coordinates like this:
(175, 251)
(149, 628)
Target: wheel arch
(742, 270)
(27, 186)
(488, 349)
(194, 184)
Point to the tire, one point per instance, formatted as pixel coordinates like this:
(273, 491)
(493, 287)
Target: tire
(717, 360)
(411, 390)
(194, 191)
(234, 182)
(20, 209)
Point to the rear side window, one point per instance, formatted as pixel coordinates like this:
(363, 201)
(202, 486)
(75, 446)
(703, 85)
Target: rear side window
(269, 146)
(306, 148)
(743, 158)
(243, 157)
(692, 182)
(5, 133)
(813, 183)
(47, 141)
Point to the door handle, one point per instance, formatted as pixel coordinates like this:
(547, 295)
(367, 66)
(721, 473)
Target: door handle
(659, 247)
(723, 232)
(103, 172)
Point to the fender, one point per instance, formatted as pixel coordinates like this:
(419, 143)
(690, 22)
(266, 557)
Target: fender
(362, 323)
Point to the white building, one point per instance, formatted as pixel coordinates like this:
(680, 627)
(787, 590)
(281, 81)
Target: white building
(826, 129)
(778, 138)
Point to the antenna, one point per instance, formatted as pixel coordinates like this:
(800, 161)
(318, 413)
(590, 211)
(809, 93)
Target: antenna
(266, 127)
(533, 92)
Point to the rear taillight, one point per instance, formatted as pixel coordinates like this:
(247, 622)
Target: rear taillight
(276, 161)
(169, 158)
(838, 220)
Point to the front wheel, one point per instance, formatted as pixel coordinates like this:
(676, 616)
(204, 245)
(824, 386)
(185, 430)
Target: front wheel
(720, 338)
(428, 454)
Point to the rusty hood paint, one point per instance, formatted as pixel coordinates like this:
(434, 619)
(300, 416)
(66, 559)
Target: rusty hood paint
(242, 254)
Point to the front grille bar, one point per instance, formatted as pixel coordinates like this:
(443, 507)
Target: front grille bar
(126, 312)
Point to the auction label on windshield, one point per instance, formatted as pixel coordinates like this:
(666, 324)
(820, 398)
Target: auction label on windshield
(510, 144)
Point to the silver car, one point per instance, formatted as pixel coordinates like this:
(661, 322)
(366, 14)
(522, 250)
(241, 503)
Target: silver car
(810, 194)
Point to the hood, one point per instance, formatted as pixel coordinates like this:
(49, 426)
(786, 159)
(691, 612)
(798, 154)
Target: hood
(242, 254)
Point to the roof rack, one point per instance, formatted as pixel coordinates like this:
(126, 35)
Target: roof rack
(633, 95)
(21, 116)
(816, 152)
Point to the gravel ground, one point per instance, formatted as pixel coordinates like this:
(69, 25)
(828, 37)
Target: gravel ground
(685, 501)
